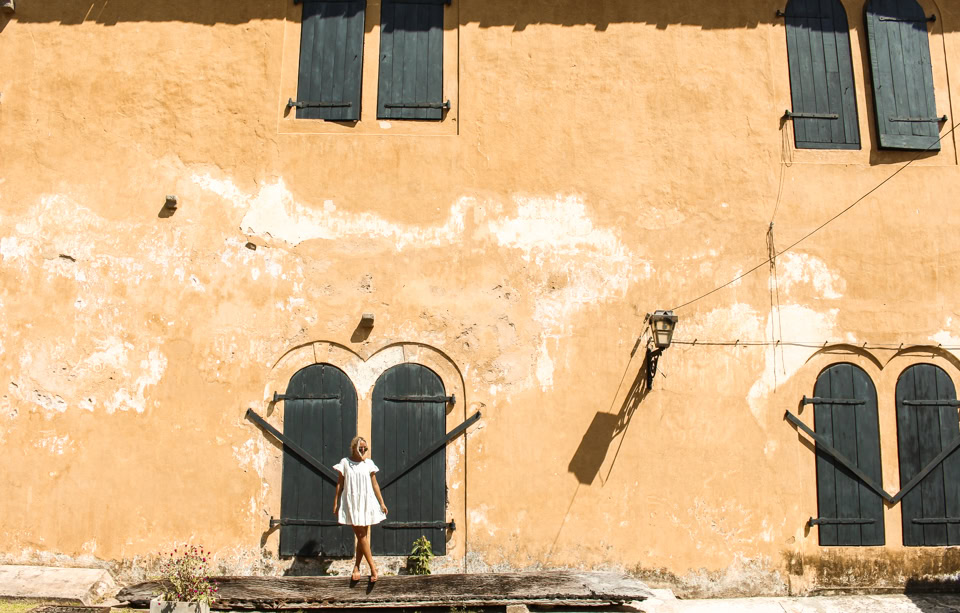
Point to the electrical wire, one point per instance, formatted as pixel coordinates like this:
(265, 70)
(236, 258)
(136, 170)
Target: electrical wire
(821, 226)
(813, 344)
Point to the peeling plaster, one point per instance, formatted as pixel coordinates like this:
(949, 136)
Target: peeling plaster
(798, 322)
(274, 213)
(577, 262)
(797, 269)
(56, 445)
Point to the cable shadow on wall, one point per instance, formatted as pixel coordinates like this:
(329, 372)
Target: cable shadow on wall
(606, 426)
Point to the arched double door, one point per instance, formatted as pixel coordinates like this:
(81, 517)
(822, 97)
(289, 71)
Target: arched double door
(408, 442)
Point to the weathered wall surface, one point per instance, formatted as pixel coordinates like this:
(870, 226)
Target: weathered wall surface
(603, 160)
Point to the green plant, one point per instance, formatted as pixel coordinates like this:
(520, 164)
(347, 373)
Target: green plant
(418, 562)
(185, 577)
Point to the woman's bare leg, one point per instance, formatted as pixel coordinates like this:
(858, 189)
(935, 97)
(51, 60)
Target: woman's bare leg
(363, 548)
(356, 564)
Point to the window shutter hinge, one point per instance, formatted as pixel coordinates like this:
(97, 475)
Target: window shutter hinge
(792, 115)
(309, 105)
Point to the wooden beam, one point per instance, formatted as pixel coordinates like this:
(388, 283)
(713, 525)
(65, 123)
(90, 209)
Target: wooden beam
(564, 588)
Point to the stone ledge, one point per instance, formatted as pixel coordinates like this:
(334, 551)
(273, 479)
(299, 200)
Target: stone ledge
(85, 586)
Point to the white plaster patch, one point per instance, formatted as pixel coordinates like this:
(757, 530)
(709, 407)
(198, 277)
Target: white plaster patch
(798, 322)
(55, 444)
(252, 454)
(52, 403)
(946, 336)
(737, 321)
(111, 352)
(365, 374)
(12, 248)
(797, 269)
(478, 517)
(544, 366)
(274, 213)
(152, 369)
(195, 283)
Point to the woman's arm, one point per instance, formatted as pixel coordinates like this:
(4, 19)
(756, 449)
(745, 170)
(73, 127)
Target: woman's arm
(336, 497)
(376, 490)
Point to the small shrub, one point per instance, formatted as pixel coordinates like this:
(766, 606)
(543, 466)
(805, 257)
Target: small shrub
(418, 562)
(186, 577)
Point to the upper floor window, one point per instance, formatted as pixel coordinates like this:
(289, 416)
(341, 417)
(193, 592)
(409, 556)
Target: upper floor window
(411, 60)
(331, 60)
(821, 75)
(902, 75)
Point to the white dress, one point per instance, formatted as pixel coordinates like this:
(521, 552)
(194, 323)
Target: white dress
(358, 504)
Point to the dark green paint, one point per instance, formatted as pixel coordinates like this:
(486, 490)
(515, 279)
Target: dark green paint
(331, 58)
(821, 74)
(854, 430)
(411, 59)
(923, 432)
(902, 75)
(323, 428)
(401, 430)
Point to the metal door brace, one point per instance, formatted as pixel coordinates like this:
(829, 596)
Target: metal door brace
(430, 449)
(297, 449)
(950, 448)
(823, 444)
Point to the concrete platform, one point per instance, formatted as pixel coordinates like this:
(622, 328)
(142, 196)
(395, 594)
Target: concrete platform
(900, 603)
(86, 586)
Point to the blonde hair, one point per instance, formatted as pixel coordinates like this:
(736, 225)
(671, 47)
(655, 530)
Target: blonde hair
(354, 442)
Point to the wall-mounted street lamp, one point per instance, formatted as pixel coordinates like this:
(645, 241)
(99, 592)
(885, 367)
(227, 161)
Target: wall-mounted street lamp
(662, 324)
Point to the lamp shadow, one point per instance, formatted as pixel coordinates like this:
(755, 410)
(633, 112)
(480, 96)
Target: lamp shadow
(603, 430)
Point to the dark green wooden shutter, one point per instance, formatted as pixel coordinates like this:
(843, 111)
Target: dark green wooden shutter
(411, 60)
(821, 75)
(902, 75)
(323, 427)
(922, 432)
(331, 58)
(401, 429)
(854, 430)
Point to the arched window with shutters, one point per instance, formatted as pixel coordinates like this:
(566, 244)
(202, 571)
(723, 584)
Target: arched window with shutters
(821, 75)
(928, 435)
(902, 75)
(845, 416)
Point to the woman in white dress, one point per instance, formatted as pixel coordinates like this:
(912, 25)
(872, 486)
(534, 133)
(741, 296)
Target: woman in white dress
(358, 502)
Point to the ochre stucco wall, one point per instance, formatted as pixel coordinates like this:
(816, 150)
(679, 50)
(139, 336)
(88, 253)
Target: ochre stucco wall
(602, 160)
